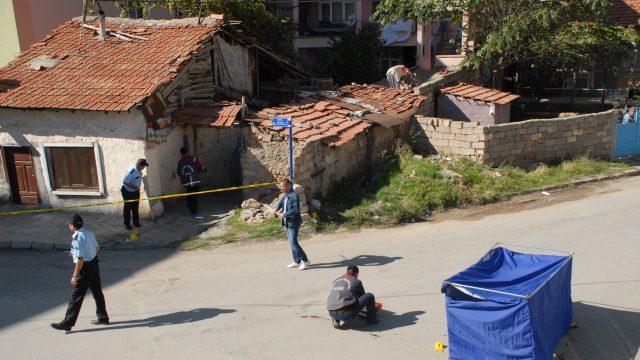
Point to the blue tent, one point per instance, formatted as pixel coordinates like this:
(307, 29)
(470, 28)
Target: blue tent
(509, 305)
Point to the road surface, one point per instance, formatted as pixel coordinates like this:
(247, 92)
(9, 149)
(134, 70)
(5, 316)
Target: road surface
(241, 302)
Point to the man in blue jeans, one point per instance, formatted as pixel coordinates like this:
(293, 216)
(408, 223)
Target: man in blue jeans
(288, 210)
(347, 299)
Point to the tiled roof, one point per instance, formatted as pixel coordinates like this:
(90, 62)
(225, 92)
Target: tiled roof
(479, 93)
(216, 115)
(317, 120)
(110, 75)
(625, 12)
(384, 98)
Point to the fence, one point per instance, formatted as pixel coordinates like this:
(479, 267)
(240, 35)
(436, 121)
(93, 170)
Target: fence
(628, 139)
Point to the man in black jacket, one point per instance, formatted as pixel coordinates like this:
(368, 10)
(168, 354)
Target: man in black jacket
(347, 299)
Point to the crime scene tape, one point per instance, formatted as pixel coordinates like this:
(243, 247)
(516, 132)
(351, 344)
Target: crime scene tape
(153, 198)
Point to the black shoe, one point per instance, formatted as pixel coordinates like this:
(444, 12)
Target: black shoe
(100, 322)
(59, 326)
(137, 224)
(128, 226)
(336, 324)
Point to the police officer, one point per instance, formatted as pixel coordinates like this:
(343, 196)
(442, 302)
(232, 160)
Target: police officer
(189, 169)
(86, 274)
(131, 191)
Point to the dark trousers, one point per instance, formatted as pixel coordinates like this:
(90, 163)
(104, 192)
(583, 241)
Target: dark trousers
(192, 201)
(130, 208)
(296, 250)
(366, 301)
(89, 279)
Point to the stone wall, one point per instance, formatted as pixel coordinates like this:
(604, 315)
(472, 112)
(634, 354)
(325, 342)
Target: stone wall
(317, 167)
(520, 143)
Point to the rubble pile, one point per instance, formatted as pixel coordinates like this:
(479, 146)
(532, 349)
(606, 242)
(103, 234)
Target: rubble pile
(254, 211)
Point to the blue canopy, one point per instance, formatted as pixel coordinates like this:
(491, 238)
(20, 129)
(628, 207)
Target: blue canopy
(509, 305)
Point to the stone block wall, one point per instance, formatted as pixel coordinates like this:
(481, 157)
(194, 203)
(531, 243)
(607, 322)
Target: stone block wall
(428, 88)
(317, 167)
(520, 143)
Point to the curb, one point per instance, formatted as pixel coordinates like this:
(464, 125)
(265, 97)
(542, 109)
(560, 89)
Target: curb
(44, 246)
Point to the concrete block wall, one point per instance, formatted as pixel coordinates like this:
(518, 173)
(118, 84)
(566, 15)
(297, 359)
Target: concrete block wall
(428, 88)
(521, 143)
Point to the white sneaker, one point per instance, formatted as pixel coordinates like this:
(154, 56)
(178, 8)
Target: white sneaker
(304, 265)
(292, 265)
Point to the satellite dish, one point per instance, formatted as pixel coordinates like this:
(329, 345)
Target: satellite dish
(351, 20)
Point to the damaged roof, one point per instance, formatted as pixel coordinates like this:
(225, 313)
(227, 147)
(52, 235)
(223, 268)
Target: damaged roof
(336, 117)
(110, 75)
(478, 93)
(384, 98)
(316, 120)
(219, 115)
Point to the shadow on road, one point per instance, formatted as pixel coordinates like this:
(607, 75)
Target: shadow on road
(180, 317)
(388, 321)
(604, 332)
(360, 260)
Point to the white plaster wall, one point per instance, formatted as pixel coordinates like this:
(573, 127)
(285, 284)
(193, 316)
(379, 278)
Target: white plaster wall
(120, 138)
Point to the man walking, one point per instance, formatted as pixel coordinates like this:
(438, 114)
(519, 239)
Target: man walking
(288, 210)
(131, 191)
(86, 274)
(347, 299)
(189, 170)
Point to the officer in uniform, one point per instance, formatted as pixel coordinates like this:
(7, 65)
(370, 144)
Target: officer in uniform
(347, 299)
(131, 191)
(189, 169)
(86, 274)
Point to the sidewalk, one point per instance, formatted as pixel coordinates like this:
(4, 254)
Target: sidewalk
(49, 231)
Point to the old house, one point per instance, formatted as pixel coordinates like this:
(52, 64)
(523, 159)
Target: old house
(465, 102)
(79, 107)
(337, 134)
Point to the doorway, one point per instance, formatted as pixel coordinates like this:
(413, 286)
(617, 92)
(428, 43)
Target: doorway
(21, 175)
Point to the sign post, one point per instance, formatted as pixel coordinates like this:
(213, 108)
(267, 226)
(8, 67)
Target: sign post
(285, 122)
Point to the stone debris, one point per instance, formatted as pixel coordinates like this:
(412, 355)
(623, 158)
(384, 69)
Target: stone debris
(254, 211)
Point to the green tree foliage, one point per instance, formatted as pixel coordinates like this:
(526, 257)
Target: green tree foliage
(508, 32)
(353, 57)
(256, 17)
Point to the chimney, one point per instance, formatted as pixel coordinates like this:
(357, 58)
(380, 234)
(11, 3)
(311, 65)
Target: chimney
(103, 25)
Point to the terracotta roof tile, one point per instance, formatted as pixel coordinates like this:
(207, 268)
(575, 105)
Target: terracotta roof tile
(317, 120)
(100, 75)
(384, 98)
(216, 115)
(478, 93)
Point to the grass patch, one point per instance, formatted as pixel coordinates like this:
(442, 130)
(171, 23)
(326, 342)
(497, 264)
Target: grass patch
(194, 243)
(405, 189)
(239, 230)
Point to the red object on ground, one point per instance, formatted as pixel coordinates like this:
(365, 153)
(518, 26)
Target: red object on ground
(378, 305)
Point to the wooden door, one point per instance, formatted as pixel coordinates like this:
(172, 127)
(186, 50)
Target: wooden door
(22, 175)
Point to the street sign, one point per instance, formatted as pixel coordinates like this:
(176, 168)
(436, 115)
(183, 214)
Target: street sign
(285, 122)
(281, 121)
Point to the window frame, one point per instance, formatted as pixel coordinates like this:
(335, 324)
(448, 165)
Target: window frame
(48, 169)
(343, 7)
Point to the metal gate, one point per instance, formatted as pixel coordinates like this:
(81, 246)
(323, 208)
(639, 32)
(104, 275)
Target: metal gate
(628, 139)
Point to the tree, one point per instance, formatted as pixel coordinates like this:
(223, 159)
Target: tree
(259, 21)
(354, 56)
(508, 32)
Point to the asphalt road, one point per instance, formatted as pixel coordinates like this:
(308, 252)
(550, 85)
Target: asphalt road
(241, 302)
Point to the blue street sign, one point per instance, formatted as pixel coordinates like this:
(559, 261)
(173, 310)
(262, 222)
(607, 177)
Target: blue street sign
(285, 122)
(281, 121)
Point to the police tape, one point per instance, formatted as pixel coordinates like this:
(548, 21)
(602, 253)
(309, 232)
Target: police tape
(153, 198)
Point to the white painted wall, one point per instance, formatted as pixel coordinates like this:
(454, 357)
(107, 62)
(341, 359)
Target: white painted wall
(120, 138)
